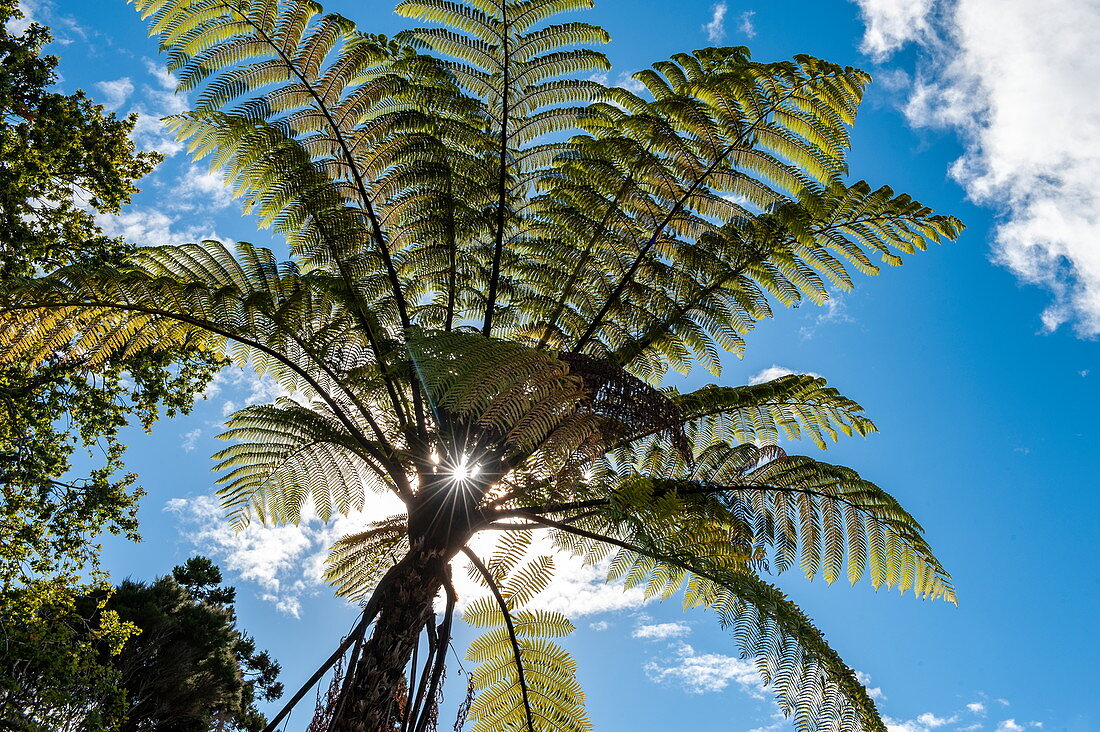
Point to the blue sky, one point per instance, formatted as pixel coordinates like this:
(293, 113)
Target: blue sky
(978, 361)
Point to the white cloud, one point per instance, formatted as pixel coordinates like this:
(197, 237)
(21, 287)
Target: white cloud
(661, 631)
(158, 100)
(930, 722)
(249, 388)
(923, 723)
(285, 562)
(1015, 80)
(774, 372)
(872, 691)
(745, 25)
(31, 9)
(152, 227)
(578, 589)
(191, 439)
(115, 92)
(699, 673)
(715, 28)
(198, 187)
(893, 23)
(166, 80)
(599, 626)
(1010, 725)
(628, 82)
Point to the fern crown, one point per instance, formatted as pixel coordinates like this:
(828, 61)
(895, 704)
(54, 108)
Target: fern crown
(495, 260)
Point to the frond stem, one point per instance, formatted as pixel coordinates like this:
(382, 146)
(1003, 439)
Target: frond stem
(502, 184)
(484, 571)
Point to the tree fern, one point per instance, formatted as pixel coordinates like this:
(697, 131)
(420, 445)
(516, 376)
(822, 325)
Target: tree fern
(495, 260)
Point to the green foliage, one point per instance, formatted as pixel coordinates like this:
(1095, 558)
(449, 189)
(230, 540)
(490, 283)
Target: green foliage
(189, 667)
(51, 671)
(548, 685)
(495, 263)
(169, 657)
(64, 160)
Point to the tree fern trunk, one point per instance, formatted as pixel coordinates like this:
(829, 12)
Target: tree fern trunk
(370, 689)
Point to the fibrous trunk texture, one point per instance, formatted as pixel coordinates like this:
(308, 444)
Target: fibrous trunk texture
(369, 700)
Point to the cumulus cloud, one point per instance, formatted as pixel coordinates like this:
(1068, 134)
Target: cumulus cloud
(1015, 80)
(148, 226)
(774, 372)
(872, 691)
(715, 28)
(893, 23)
(158, 100)
(661, 631)
(628, 82)
(199, 188)
(700, 673)
(284, 562)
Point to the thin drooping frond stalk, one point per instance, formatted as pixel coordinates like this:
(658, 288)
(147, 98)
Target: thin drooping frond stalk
(442, 645)
(506, 613)
(370, 610)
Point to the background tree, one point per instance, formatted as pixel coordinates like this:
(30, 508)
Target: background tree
(189, 669)
(62, 160)
(495, 261)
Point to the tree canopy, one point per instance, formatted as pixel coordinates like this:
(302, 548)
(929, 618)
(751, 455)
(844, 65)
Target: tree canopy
(63, 161)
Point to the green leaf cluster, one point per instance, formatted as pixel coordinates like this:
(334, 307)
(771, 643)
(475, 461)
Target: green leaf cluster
(65, 160)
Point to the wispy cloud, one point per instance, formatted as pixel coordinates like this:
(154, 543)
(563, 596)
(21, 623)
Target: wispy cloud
(1015, 79)
(191, 439)
(700, 673)
(115, 93)
(745, 24)
(247, 388)
(661, 631)
(31, 10)
(715, 28)
(966, 719)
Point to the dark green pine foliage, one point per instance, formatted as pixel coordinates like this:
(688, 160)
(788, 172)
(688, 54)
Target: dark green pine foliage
(189, 669)
(496, 260)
